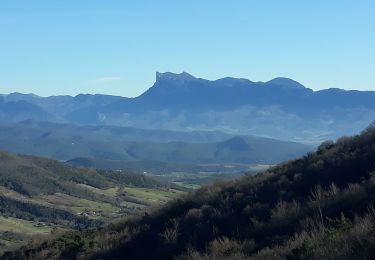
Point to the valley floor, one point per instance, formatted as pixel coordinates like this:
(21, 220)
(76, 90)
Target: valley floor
(122, 202)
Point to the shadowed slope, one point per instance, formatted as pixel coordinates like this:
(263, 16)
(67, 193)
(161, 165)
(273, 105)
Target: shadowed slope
(314, 207)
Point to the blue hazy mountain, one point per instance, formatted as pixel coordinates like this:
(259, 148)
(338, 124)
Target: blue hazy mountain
(280, 108)
(21, 110)
(110, 147)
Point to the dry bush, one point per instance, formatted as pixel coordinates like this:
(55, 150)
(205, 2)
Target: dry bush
(343, 239)
(319, 196)
(171, 232)
(221, 249)
(192, 254)
(194, 213)
(284, 211)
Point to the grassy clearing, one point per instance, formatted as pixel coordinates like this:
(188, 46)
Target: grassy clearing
(111, 192)
(19, 197)
(152, 195)
(188, 185)
(22, 226)
(128, 204)
(147, 194)
(77, 205)
(17, 232)
(66, 202)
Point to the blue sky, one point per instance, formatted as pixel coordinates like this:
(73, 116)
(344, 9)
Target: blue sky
(115, 47)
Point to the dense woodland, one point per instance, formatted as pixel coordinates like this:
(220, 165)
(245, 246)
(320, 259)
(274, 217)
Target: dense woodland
(319, 206)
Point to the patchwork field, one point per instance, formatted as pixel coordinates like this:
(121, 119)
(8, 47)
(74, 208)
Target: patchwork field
(39, 197)
(122, 201)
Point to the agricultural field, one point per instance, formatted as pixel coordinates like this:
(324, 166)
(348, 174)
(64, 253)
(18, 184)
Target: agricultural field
(122, 202)
(79, 198)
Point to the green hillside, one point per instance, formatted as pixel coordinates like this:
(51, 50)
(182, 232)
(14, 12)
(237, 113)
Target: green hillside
(317, 207)
(39, 196)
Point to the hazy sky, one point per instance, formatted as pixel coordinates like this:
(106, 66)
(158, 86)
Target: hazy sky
(115, 47)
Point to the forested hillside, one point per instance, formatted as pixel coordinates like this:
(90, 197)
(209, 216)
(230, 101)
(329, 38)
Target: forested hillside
(41, 196)
(315, 207)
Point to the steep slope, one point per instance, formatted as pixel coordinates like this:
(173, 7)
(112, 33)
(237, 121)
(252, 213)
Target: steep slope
(315, 207)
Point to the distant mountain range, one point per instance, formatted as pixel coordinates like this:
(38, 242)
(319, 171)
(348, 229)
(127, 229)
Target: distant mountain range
(111, 147)
(281, 108)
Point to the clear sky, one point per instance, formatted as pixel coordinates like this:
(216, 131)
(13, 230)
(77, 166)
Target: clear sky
(55, 47)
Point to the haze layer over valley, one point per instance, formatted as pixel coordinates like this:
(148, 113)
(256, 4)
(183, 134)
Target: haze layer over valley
(280, 108)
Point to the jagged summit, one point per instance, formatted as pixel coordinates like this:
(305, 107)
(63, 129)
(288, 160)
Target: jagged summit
(186, 77)
(183, 76)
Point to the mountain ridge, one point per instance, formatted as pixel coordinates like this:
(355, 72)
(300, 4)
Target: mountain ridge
(187, 76)
(280, 108)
